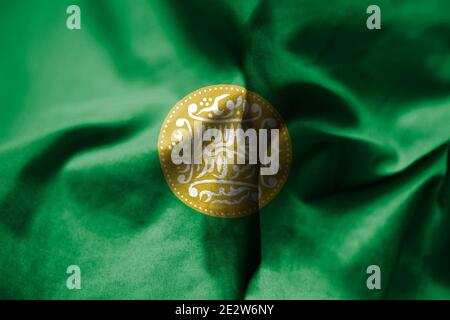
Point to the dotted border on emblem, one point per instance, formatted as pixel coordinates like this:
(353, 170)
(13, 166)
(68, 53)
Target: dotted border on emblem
(268, 107)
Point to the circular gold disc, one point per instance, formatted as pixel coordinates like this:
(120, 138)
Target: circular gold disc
(219, 184)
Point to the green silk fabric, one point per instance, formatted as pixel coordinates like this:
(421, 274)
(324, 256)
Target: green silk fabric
(368, 112)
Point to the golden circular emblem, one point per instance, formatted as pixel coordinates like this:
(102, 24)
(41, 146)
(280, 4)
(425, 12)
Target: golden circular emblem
(224, 151)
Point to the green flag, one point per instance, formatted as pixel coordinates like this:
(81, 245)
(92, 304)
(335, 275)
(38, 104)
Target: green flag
(356, 95)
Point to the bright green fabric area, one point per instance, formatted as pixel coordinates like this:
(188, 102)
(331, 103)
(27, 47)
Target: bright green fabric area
(80, 181)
